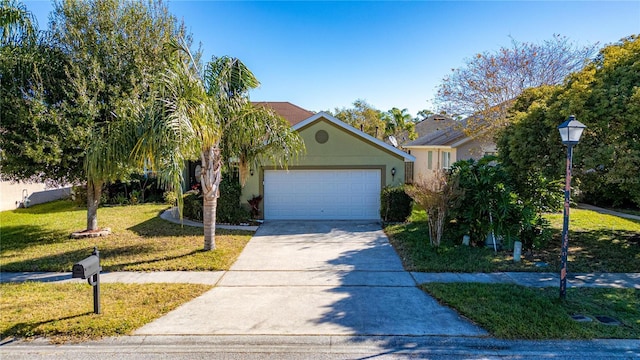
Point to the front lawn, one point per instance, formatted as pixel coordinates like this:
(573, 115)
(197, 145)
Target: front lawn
(37, 239)
(597, 243)
(64, 312)
(515, 312)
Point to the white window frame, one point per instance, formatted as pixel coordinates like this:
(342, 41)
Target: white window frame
(446, 160)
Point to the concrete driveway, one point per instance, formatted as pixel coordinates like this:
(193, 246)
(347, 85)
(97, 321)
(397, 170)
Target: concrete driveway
(315, 278)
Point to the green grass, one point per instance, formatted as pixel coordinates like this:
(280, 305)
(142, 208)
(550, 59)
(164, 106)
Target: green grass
(37, 239)
(516, 312)
(597, 243)
(64, 312)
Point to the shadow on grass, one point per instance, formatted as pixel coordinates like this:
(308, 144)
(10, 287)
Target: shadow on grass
(123, 266)
(51, 208)
(20, 237)
(601, 250)
(30, 329)
(55, 262)
(604, 251)
(158, 227)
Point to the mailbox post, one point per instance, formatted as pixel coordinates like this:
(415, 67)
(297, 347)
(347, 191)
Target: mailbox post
(89, 268)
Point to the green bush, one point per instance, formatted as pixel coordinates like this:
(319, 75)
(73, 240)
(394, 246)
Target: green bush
(79, 195)
(228, 209)
(395, 204)
(489, 202)
(192, 205)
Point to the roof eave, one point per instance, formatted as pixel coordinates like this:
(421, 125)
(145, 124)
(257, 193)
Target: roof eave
(356, 132)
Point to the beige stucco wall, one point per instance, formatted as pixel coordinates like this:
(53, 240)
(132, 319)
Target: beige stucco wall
(343, 150)
(421, 171)
(475, 149)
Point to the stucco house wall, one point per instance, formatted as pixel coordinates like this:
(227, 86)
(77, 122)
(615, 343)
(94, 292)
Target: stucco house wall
(345, 148)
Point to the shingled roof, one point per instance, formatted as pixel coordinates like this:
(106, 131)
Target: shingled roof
(444, 137)
(292, 113)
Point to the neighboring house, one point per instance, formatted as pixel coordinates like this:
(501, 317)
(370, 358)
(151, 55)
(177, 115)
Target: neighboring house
(339, 177)
(19, 194)
(433, 123)
(438, 150)
(429, 125)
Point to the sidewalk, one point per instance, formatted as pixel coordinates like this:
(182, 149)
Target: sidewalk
(531, 279)
(608, 212)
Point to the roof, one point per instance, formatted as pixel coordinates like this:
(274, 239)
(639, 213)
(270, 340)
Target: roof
(292, 113)
(354, 131)
(444, 137)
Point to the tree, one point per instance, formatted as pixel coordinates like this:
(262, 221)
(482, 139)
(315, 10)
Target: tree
(605, 97)
(484, 89)
(16, 22)
(399, 124)
(113, 47)
(209, 116)
(38, 143)
(363, 117)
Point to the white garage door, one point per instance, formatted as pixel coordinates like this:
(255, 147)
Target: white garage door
(321, 194)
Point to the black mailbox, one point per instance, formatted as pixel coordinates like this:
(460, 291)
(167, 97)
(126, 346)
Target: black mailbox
(86, 268)
(89, 268)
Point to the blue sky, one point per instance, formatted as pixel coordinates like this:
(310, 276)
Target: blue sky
(323, 55)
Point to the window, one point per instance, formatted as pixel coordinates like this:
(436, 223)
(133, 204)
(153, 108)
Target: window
(446, 159)
(430, 160)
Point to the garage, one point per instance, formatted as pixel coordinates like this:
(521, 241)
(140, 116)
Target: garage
(341, 194)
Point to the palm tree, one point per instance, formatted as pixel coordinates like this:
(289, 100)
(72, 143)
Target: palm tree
(399, 122)
(208, 116)
(16, 22)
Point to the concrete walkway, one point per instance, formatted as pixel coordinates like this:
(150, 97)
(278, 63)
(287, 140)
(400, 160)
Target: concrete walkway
(171, 215)
(608, 212)
(531, 279)
(315, 278)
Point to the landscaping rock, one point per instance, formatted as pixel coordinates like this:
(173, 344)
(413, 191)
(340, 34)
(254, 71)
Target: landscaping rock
(91, 233)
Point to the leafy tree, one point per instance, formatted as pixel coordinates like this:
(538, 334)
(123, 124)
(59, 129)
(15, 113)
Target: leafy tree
(485, 87)
(363, 117)
(399, 124)
(113, 48)
(605, 97)
(38, 143)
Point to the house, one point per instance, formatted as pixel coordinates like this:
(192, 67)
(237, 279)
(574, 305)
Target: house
(25, 194)
(438, 150)
(339, 177)
(433, 123)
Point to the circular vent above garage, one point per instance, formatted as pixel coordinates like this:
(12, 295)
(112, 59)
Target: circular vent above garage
(322, 136)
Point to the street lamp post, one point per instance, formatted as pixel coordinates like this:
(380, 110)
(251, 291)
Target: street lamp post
(570, 132)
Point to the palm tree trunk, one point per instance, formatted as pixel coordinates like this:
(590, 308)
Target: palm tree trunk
(210, 181)
(94, 192)
(209, 220)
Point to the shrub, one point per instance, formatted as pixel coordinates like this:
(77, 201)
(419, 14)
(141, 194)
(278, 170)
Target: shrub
(228, 208)
(395, 204)
(79, 195)
(488, 202)
(435, 197)
(137, 188)
(192, 205)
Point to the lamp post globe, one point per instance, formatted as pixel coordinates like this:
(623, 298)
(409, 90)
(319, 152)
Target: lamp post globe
(570, 133)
